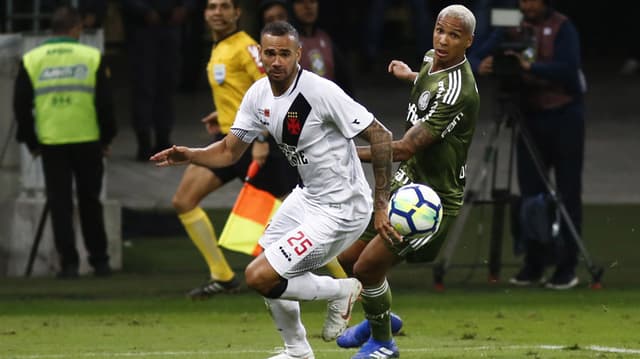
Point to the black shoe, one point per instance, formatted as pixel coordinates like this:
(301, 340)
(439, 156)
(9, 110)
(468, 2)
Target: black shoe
(562, 280)
(102, 270)
(68, 273)
(214, 287)
(527, 276)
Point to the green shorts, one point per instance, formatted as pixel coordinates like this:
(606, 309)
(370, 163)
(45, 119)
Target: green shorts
(426, 253)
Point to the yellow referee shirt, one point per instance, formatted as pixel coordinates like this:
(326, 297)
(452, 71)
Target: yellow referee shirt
(233, 67)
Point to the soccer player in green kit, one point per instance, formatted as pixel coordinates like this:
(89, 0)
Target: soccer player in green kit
(443, 108)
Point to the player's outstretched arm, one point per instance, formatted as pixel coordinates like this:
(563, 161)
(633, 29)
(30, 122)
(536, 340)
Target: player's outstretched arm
(222, 153)
(415, 139)
(402, 71)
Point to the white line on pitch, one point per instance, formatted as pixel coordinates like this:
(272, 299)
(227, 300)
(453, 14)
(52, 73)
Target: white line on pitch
(595, 348)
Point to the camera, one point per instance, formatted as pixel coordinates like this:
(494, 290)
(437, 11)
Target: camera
(516, 39)
(520, 40)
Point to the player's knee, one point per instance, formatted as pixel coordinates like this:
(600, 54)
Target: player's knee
(254, 279)
(366, 274)
(360, 272)
(263, 282)
(182, 204)
(177, 203)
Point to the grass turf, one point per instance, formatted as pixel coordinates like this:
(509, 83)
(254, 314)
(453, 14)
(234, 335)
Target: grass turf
(78, 322)
(141, 312)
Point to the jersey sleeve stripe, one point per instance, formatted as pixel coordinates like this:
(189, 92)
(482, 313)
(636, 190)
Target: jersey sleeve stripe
(454, 87)
(450, 81)
(241, 134)
(458, 74)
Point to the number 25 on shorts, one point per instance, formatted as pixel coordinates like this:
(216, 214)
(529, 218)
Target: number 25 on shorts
(299, 243)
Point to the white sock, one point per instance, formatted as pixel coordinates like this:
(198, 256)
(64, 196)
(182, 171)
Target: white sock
(312, 287)
(286, 315)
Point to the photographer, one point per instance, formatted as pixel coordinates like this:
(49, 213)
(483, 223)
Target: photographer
(545, 53)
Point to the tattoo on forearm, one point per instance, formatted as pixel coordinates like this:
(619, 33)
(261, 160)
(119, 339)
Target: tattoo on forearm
(381, 154)
(419, 137)
(364, 153)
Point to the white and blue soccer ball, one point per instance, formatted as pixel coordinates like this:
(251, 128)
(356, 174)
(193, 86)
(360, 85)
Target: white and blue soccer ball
(415, 210)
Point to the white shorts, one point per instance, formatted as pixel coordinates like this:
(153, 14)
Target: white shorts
(302, 237)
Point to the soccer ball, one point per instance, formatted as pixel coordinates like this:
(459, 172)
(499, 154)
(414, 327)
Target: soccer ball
(415, 210)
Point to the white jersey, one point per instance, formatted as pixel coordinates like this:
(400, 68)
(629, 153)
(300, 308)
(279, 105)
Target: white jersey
(314, 123)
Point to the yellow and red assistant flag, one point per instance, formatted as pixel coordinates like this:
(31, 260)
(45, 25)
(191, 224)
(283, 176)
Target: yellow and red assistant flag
(249, 217)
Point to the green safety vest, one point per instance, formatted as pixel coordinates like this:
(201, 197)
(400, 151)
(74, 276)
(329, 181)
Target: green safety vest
(63, 75)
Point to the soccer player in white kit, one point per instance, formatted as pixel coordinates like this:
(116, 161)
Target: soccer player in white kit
(314, 123)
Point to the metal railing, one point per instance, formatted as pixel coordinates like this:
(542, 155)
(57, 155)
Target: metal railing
(35, 15)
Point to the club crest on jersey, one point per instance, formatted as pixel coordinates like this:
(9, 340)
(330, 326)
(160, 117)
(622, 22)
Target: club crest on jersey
(219, 73)
(293, 124)
(423, 100)
(294, 119)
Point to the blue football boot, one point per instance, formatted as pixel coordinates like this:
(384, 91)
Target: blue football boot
(358, 334)
(374, 349)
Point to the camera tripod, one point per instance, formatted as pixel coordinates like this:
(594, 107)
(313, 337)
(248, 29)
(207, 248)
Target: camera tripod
(500, 198)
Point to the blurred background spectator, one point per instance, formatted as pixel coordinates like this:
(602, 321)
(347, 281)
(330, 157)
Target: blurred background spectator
(153, 33)
(319, 55)
(193, 49)
(422, 20)
(272, 10)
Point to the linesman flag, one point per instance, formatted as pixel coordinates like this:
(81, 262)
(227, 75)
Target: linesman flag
(249, 217)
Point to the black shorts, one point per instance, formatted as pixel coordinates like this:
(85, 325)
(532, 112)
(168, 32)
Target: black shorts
(276, 176)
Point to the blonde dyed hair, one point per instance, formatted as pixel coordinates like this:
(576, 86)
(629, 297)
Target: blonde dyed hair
(460, 12)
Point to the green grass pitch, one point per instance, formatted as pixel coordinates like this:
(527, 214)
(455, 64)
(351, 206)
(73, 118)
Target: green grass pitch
(141, 312)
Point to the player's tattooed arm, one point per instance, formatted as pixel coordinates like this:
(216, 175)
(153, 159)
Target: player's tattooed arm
(364, 153)
(416, 138)
(380, 154)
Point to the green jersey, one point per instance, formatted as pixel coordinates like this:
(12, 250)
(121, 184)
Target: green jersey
(447, 103)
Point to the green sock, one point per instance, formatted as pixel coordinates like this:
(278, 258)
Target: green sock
(376, 302)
